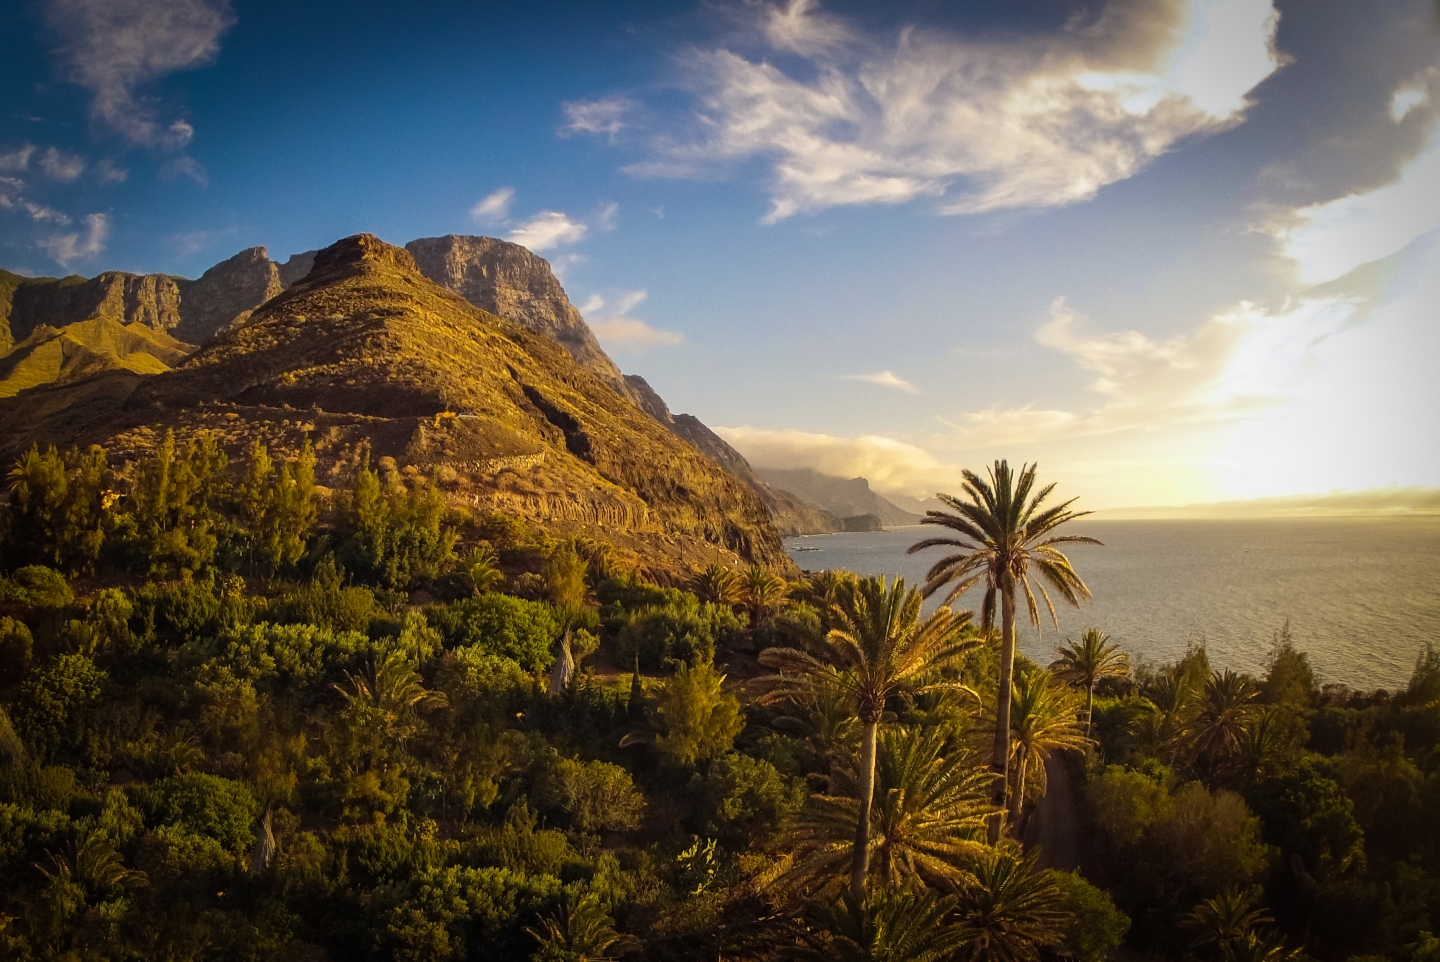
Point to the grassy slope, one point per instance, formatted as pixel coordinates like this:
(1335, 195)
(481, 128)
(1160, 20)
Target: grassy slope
(365, 353)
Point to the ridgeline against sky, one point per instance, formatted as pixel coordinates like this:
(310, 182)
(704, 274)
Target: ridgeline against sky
(1176, 251)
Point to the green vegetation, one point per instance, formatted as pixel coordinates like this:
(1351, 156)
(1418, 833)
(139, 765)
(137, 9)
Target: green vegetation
(243, 716)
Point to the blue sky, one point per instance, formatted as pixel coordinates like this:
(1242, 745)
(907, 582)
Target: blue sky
(893, 240)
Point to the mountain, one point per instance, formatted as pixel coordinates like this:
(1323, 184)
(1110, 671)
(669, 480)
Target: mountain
(843, 498)
(511, 282)
(86, 348)
(191, 311)
(364, 353)
(791, 515)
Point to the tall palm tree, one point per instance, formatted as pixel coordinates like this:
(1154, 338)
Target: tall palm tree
(718, 585)
(928, 816)
(881, 648)
(1010, 912)
(1083, 663)
(1043, 721)
(1005, 531)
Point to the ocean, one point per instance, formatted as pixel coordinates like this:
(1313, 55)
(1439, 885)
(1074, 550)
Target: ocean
(1362, 596)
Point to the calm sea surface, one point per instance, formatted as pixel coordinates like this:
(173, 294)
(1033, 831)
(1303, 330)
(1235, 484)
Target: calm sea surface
(1362, 596)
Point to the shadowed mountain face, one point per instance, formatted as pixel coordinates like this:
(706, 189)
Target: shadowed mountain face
(365, 353)
(846, 499)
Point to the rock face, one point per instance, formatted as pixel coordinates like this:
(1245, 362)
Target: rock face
(510, 282)
(845, 498)
(149, 299)
(792, 515)
(365, 354)
(224, 292)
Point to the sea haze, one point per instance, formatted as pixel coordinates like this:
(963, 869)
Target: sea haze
(1362, 596)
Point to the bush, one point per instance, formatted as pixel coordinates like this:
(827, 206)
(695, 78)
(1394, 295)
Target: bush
(36, 586)
(205, 805)
(700, 718)
(682, 629)
(1308, 814)
(55, 703)
(1099, 927)
(743, 799)
(593, 795)
(281, 657)
(523, 631)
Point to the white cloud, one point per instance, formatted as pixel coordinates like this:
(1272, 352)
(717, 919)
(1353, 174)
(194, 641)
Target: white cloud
(1015, 122)
(1329, 240)
(12, 197)
(1407, 99)
(605, 116)
(493, 207)
(616, 329)
(890, 465)
(110, 173)
(17, 160)
(61, 166)
(885, 379)
(185, 166)
(66, 249)
(606, 217)
(114, 47)
(548, 229)
(633, 334)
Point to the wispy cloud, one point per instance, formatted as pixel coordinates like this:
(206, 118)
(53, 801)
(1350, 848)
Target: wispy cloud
(548, 229)
(889, 464)
(113, 48)
(61, 166)
(185, 166)
(1331, 239)
(1030, 121)
(17, 160)
(493, 207)
(613, 324)
(885, 379)
(12, 197)
(605, 116)
(110, 173)
(67, 249)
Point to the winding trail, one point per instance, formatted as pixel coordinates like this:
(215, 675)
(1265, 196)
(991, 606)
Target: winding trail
(1054, 825)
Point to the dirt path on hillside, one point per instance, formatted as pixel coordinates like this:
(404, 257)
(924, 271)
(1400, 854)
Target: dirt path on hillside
(1054, 826)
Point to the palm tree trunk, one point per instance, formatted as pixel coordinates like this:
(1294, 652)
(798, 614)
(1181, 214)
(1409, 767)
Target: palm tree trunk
(860, 861)
(1089, 707)
(1000, 757)
(1017, 799)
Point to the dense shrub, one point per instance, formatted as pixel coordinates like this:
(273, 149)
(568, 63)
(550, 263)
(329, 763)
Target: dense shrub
(206, 805)
(741, 800)
(683, 629)
(524, 631)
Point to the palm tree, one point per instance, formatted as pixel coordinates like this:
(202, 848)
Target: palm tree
(583, 931)
(1173, 698)
(1010, 912)
(764, 592)
(881, 648)
(481, 569)
(718, 585)
(1043, 720)
(1085, 662)
(890, 926)
(929, 813)
(1225, 919)
(1220, 728)
(1004, 533)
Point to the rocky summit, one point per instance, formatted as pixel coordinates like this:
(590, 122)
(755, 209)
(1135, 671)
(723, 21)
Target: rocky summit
(367, 357)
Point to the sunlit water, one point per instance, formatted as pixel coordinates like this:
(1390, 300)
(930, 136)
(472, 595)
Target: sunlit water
(1362, 596)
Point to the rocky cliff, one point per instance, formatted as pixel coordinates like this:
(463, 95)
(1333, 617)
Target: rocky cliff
(366, 354)
(26, 303)
(226, 291)
(845, 498)
(509, 281)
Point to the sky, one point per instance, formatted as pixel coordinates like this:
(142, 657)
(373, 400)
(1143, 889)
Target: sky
(1174, 251)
